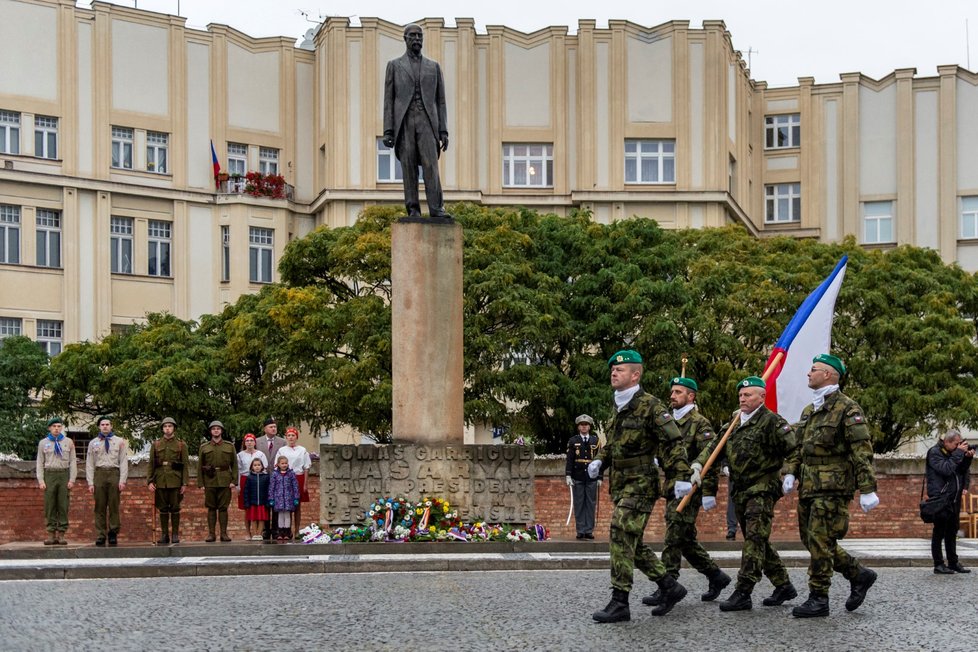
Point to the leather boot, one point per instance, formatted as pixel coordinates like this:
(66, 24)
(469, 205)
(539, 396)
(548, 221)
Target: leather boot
(52, 539)
(958, 568)
(223, 516)
(616, 611)
(211, 525)
(941, 569)
(62, 541)
(815, 606)
(781, 595)
(175, 525)
(653, 600)
(718, 582)
(738, 601)
(672, 593)
(165, 529)
(859, 586)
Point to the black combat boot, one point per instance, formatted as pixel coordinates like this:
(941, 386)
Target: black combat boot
(738, 601)
(113, 538)
(175, 525)
(672, 593)
(718, 582)
(616, 611)
(211, 524)
(653, 600)
(815, 606)
(781, 595)
(165, 527)
(859, 586)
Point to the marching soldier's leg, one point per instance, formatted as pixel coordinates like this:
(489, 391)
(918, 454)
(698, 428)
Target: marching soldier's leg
(622, 547)
(671, 549)
(750, 557)
(820, 566)
(774, 568)
(697, 556)
(670, 591)
(860, 578)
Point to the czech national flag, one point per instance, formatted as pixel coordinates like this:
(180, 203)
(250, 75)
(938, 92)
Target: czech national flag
(808, 334)
(216, 163)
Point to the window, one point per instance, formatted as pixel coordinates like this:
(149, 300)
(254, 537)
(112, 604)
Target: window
(45, 136)
(782, 131)
(969, 217)
(783, 203)
(122, 148)
(528, 166)
(237, 159)
(260, 254)
(9, 132)
(9, 326)
(121, 245)
(156, 152)
(650, 161)
(159, 248)
(225, 253)
(388, 167)
(48, 238)
(268, 160)
(9, 234)
(877, 222)
(49, 336)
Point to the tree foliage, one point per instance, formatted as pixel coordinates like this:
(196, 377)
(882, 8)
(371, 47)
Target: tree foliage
(22, 366)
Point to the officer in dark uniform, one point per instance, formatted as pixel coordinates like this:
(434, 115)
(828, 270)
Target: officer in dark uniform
(217, 473)
(581, 449)
(168, 475)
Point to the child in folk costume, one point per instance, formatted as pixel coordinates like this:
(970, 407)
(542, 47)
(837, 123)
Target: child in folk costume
(299, 462)
(283, 497)
(255, 492)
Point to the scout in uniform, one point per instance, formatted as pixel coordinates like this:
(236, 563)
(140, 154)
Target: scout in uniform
(106, 471)
(168, 475)
(641, 431)
(217, 473)
(580, 452)
(755, 451)
(834, 459)
(56, 471)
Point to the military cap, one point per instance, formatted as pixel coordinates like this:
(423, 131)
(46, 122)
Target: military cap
(751, 381)
(832, 361)
(102, 418)
(584, 418)
(169, 420)
(625, 356)
(216, 423)
(54, 420)
(688, 383)
(269, 421)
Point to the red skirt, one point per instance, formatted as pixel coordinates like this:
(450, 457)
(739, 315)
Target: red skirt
(303, 494)
(242, 479)
(256, 513)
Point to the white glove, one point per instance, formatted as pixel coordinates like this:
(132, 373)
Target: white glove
(570, 481)
(709, 502)
(594, 469)
(788, 485)
(682, 488)
(868, 501)
(599, 483)
(725, 471)
(694, 477)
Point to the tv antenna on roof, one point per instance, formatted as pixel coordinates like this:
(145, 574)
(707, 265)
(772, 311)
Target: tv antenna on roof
(750, 51)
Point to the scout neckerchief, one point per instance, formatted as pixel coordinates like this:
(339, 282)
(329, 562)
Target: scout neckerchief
(106, 439)
(57, 446)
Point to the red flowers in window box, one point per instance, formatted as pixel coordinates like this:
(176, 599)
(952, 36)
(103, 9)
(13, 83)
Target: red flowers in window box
(265, 185)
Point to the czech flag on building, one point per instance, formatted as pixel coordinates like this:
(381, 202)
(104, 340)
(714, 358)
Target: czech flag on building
(808, 334)
(217, 165)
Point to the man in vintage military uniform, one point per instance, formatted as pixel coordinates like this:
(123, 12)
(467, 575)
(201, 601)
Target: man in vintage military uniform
(581, 449)
(834, 459)
(641, 431)
(106, 471)
(56, 471)
(217, 473)
(755, 452)
(168, 475)
(680, 539)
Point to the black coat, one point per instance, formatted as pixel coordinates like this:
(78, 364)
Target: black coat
(580, 452)
(949, 470)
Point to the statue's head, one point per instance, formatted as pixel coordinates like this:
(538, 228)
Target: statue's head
(414, 38)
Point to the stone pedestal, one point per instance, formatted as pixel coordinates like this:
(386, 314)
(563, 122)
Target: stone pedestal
(426, 322)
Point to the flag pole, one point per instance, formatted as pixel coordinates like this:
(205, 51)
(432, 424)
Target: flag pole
(723, 440)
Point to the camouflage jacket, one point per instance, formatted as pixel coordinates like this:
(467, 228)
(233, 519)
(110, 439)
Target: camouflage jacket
(836, 452)
(755, 453)
(698, 433)
(641, 432)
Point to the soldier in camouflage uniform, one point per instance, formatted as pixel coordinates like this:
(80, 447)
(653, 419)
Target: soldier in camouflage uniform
(641, 431)
(680, 539)
(755, 452)
(834, 459)
(168, 475)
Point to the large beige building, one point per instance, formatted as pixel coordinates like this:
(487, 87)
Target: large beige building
(108, 205)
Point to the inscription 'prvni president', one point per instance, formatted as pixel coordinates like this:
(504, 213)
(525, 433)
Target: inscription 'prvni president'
(493, 483)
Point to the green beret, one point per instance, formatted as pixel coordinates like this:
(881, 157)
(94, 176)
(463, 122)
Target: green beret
(625, 356)
(102, 418)
(54, 420)
(688, 383)
(751, 381)
(832, 361)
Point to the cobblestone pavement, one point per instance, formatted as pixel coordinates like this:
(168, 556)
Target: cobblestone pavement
(907, 609)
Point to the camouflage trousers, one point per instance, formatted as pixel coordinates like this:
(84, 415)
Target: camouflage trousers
(628, 521)
(755, 513)
(681, 539)
(822, 521)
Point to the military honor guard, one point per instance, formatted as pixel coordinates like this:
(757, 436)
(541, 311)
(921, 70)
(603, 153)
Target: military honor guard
(834, 459)
(217, 473)
(581, 449)
(106, 471)
(168, 476)
(57, 469)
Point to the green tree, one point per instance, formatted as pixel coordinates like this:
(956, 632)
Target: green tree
(22, 367)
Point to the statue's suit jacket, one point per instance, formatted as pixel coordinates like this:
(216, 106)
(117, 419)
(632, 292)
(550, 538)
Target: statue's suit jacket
(399, 90)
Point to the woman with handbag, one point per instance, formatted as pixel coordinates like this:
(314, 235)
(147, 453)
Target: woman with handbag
(948, 464)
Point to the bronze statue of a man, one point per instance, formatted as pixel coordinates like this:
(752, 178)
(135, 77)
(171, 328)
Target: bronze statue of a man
(416, 122)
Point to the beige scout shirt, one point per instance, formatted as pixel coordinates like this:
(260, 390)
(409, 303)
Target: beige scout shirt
(117, 456)
(48, 459)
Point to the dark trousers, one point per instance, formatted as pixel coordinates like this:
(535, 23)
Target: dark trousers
(56, 499)
(585, 500)
(946, 531)
(106, 500)
(418, 145)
